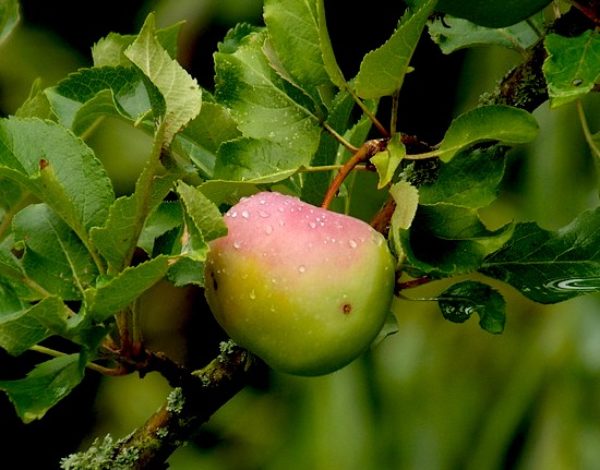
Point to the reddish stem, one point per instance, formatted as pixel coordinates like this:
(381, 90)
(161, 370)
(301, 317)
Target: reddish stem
(590, 11)
(413, 283)
(366, 151)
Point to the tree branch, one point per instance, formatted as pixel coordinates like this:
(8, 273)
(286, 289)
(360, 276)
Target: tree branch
(193, 401)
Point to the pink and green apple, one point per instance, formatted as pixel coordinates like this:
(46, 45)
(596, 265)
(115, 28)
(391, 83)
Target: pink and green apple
(305, 289)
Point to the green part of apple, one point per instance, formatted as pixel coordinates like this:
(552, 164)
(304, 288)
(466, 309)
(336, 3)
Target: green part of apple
(492, 13)
(305, 289)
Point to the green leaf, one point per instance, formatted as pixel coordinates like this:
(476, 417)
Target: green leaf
(44, 386)
(470, 179)
(257, 161)
(167, 216)
(315, 184)
(382, 71)
(202, 211)
(187, 271)
(551, 266)
(449, 240)
(9, 265)
(189, 268)
(294, 32)
(406, 197)
(116, 236)
(572, 66)
(9, 17)
(25, 327)
(227, 192)
(387, 161)
(265, 106)
(54, 256)
(58, 168)
(36, 104)
(109, 51)
(9, 300)
(488, 123)
(11, 194)
(452, 34)
(117, 293)
(492, 13)
(201, 138)
(84, 96)
(461, 300)
(119, 233)
(182, 95)
(329, 61)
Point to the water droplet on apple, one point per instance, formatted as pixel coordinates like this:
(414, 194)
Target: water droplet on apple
(245, 214)
(301, 268)
(352, 243)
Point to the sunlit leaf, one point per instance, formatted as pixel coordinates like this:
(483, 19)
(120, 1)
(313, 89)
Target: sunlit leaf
(406, 198)
(182, 95)
(265, 106)
(382, 71)
(202, 212)
(294, 31)
(109, 51)
(58, 168)
(387, 161)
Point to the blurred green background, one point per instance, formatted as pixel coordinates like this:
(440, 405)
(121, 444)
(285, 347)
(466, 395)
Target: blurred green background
(433, 396)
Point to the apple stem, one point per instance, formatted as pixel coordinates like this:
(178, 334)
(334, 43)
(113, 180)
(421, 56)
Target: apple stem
(381, 221)
(419, 281)
(366, 151)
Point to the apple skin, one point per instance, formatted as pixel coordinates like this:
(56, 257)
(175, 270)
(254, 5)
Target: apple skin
(305, 289)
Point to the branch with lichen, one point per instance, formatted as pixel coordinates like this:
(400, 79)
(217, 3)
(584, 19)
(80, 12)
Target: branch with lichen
(196, 396)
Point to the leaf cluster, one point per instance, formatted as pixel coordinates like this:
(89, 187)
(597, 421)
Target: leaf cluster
(75, 258)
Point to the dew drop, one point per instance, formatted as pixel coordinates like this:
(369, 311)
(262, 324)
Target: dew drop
(301, 268)
(233, 214)
(245, 214)
(263, 214)
(252, 295)
(352, 244)
(280, 209)
(312, 225)
(236, 245)
(262, 202)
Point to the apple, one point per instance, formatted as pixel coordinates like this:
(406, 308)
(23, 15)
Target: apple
(305, 289)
